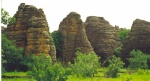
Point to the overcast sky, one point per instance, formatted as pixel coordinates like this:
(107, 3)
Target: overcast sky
(117, 12)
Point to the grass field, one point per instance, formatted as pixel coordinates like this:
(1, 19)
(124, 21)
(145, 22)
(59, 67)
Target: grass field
(141, 75)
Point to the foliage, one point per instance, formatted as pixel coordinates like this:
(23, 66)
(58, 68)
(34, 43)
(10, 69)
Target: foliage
(38, 65)
(85, 65)
(123, 33)
(138, 60)
(42, 69)
(6, 19)
(11, 55)
(56, 73)
(57, 37)
(115, 64)
(118, 51)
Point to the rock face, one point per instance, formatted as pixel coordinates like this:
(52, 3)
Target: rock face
(74, 36)
(139, 38)
(103, 37)
(31, 31)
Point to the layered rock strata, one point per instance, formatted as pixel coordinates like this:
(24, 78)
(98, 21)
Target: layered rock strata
(31, 31)
(103, 37)
(74, 37)
(139, 38)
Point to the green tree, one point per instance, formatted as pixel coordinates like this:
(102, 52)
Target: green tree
(115, 64)
(5, 18)
(85, 65)
(138, 60)
(123, 33)
(57, 37)
(11, 55)
(42, 69)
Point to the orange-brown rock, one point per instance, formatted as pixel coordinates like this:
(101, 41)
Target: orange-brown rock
(139, 38)
(74, 36)
(31, 31)
(103, 37)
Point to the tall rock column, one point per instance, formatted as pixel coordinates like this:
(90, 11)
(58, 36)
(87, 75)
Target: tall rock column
(103, 37)
(74, 36)
(139, 38)
(31, 31)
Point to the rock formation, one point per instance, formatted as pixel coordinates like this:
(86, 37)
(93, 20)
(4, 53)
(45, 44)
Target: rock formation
(31, 31)
(139, 38)
(103, 37)
(74, 36)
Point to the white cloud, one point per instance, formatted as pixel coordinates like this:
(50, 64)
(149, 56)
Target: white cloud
(117, 12)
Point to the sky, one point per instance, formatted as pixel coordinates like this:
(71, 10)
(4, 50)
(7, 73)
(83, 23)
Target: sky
(117, 12)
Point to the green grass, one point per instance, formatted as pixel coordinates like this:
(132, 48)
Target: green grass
(17, 79)
(140, 75)
(123, 77)
(15, 73)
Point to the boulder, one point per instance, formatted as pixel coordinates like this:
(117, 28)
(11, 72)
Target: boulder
(74, 37)
(103, 37)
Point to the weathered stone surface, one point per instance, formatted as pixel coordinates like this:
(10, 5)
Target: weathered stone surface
(31, 31)
(74, 36)
(139, 38)
(103, 37)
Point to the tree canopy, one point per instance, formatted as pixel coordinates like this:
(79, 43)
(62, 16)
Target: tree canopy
(5, 18)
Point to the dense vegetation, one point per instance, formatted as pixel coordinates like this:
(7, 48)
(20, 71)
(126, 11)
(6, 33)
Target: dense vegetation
(42, 69)
(138, 60)
(11, 55)
(115, 64)
(123, 34)
(57, 38)
(85, 65)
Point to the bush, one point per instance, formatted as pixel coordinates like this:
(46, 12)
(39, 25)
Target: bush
(115, 64)
(42, 69)
(138, 60)
(85, 65)
(11, 55)
(56, 73)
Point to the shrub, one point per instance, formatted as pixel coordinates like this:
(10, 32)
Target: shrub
(138, 60)
(115, 64)
(85, 65)
(56, 73)
(42, 69)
